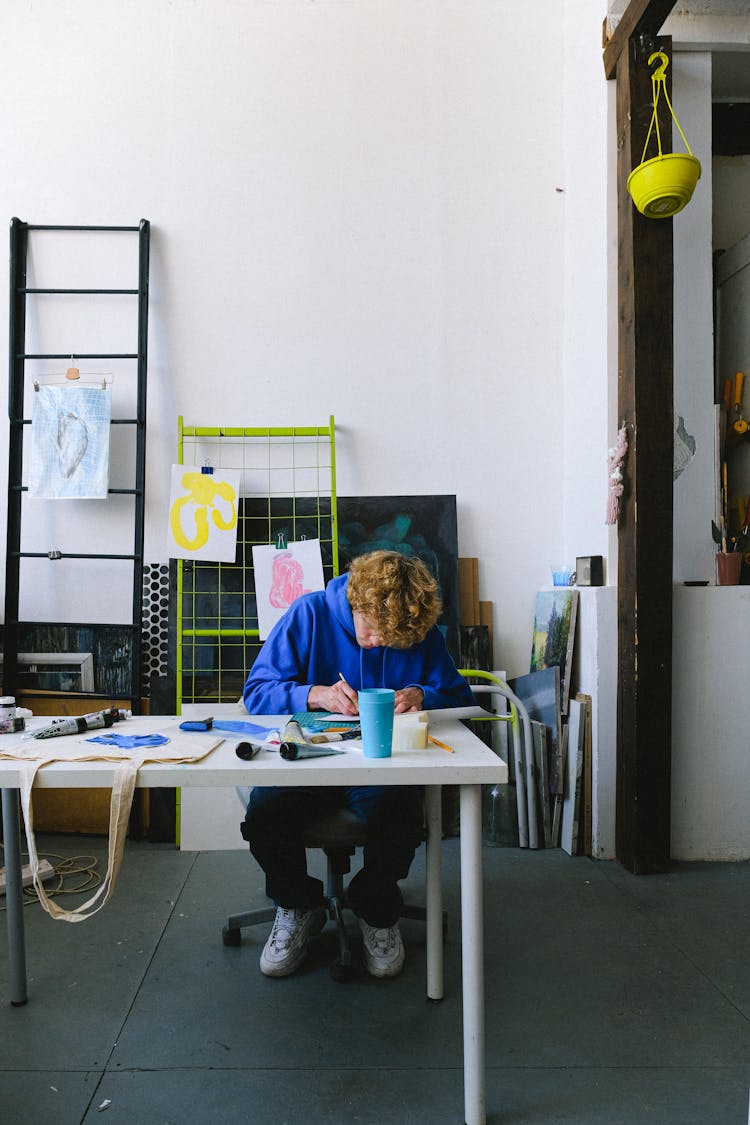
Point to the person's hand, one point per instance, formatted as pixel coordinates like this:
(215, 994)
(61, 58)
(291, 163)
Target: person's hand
(409, 699)
(339, 698)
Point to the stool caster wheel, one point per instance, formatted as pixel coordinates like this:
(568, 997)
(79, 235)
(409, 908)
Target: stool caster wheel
(231, 937)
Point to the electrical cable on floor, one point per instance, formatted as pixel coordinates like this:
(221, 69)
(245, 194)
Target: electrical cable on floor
(65, 869)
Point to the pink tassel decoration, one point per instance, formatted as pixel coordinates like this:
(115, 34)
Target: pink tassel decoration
(615, 459)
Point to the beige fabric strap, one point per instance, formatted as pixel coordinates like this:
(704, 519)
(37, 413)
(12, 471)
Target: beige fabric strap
(123, 786)
(184, 748)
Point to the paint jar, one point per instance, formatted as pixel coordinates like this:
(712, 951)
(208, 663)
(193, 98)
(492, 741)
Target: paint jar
(7, 708)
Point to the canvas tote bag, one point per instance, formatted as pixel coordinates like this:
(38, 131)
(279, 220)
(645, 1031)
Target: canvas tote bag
(35, 754)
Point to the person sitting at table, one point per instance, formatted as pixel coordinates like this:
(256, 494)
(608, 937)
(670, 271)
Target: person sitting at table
(372, 627)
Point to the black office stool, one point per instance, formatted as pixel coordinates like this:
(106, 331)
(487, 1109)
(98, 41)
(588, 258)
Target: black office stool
(337, 834)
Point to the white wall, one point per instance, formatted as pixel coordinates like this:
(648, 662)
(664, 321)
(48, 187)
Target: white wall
(589, 253)
(393, 212)
(710, 763)
(731, 216)
(390, 212)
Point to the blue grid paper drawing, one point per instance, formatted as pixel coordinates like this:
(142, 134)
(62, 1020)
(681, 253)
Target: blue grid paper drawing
(70, 443)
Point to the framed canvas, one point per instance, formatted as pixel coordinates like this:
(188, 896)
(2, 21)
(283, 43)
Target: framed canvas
(573, 778)
(425, 526)
(56, 671)
(554, 635)
(540, 694)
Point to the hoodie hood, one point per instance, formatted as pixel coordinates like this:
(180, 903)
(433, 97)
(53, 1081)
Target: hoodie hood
(338, 604)
(372, 660)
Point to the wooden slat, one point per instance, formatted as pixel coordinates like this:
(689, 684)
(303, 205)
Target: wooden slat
(541, 762)
(468, 591)
(644, 690)
(585, 833)
(485, 618)
(645, 16)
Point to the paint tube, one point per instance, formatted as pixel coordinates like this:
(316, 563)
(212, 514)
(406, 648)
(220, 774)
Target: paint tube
(75, 724)
(293, 751)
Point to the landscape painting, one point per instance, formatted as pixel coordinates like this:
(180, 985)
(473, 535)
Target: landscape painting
(554, 633)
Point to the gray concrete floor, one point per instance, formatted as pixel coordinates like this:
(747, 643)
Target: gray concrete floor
(610, 999)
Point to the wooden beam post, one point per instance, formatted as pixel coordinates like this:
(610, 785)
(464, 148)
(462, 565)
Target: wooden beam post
(640, 17)
(645, 378)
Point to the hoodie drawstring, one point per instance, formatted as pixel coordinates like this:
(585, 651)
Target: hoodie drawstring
(362, 667)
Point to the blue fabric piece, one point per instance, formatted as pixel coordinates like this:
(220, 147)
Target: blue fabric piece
(236, 725)
(239, 726)
(130, 741)
(315, 641)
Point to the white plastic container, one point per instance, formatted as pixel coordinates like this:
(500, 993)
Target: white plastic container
(7, 708)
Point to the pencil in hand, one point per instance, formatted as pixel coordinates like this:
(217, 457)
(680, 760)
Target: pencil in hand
(353, 697)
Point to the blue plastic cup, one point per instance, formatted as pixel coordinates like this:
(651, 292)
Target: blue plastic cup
(376, 708)
(562, 575)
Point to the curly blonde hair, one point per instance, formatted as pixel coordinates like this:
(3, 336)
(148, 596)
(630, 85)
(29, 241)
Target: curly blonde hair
(397, 594)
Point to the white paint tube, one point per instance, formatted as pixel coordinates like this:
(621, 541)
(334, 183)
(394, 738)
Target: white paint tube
(75, 724)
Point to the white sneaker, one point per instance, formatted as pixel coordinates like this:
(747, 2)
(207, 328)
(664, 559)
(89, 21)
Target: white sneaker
(286, 947)
(383, 949)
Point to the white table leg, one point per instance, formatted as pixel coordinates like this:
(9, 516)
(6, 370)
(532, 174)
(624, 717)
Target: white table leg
(434, 892)
(14, 898)
(472, 933)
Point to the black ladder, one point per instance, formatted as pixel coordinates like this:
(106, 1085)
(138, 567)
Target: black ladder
(21, 295)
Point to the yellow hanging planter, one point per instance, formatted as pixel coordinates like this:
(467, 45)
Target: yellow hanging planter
(662, 186)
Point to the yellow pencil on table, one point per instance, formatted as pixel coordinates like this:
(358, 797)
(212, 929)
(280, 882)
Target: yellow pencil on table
(442, 745)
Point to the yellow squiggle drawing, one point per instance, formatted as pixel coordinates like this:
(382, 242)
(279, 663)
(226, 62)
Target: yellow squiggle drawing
(202, 491)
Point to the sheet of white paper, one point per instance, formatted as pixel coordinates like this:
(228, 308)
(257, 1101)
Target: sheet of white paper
(203, 514)
(282, 575)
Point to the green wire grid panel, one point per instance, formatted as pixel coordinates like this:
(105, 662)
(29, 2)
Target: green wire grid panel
(287, 493)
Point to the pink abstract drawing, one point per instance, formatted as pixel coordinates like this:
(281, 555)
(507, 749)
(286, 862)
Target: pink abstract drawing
(287, 580)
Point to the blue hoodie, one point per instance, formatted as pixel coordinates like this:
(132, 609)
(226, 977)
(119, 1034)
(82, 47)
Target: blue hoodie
(315, 640)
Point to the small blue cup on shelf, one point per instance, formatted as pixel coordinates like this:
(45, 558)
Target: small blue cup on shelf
(563, 576)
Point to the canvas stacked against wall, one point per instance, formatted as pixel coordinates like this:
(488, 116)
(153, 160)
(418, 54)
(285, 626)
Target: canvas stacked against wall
(560, 726)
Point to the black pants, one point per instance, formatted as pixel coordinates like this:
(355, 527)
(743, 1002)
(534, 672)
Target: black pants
(275, 823)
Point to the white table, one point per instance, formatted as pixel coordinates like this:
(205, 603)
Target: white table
(471, 765)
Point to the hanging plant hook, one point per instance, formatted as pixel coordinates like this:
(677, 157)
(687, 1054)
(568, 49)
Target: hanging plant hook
(660, 74)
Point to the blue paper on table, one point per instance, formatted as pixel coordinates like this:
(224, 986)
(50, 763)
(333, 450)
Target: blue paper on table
(238, 726)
